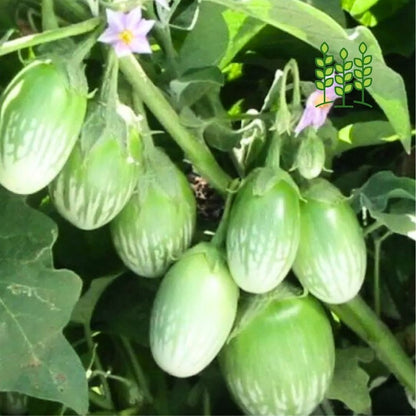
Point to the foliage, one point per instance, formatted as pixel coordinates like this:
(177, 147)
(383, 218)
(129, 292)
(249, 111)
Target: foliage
(222, 93)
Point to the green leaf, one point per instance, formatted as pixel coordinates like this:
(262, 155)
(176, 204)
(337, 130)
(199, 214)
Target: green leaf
(358, 6)
(383, 186)
(358, 73)
(212, 29)
(241, 29)
(348, 77)
(358, 85)
(319, 73)
(339, 68)
(348, 65)
(319, 62)
(368, 71)
(324, 48)
(368, 82)
(319, 85)
(35, 304)
(339, 79)
(329, 71)
(350, 381)
(264, 180)
(312, 25)
(339, 91)
(404, 223)
(343, 53)
(192, 85)
(329, 60)
(368, 59)
(348, 88)
(365, 133)
(363, 48)
(329, 82)
(358, 62)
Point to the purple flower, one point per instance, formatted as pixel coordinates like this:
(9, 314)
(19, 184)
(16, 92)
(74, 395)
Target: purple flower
(314, 113)
(127, 32)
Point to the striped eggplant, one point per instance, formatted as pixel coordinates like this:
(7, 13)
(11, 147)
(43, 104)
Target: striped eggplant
(310, 159)
(157, 223)
(41, 114)
(193, 312)
(280, 358)
(263, 230)
(331, 259)
(102, 171)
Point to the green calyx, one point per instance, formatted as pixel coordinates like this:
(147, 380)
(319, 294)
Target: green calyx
(320, 190)
(253, 305)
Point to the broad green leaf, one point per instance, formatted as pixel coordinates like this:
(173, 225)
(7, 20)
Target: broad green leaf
(241, 29)
(358, 6)
(364, 133)
(313, 27)
(350, 381)
(35, 304)
(404, 224)
(207, 43)
(192, 85)
(383, 186)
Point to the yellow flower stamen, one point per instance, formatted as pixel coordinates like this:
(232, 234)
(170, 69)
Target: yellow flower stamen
(126, 36)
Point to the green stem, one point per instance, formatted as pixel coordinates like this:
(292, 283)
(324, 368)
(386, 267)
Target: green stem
(146, 132)
(107, 399)
(220, 234)
(377, 248)
(49, 36)
(49, 20)
(371, 228)
(273, 155)
(137, 370)
(197, 152)
(364, 322)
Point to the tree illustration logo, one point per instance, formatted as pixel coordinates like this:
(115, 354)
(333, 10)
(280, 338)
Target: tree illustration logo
(362, 73)
(324, 72)
(345, 78)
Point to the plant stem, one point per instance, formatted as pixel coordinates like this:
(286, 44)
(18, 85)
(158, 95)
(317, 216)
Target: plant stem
(364, 322)
(219, 236)
(137, 370)
(197, 152)
(49, 36)
(377, 248)
(49, 20)
(273, 155)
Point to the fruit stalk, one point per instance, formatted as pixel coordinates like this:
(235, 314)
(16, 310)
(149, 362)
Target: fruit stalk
(196, 151)
(357, 315)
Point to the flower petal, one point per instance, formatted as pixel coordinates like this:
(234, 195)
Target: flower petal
(109, 36)
(133, 18)
(140, 45)
(122, 49)
(116, 20)
(143, 27)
